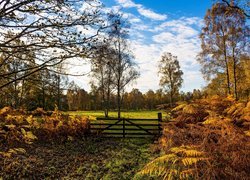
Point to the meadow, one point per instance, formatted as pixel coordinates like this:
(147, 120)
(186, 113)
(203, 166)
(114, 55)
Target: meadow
(125, 114)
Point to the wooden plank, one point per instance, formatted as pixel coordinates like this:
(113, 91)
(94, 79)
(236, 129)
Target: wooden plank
(136, 119)
(105, 124)
(120, 133)
(140, 124)
(131, 119)
(112, 125)
(132, 129)
(139, 127)
(138, 136)
(108, 119)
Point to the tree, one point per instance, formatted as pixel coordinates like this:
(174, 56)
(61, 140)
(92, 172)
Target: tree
(242, 6)
(54, 30)
(238, 40)
(135, 99)
(102, 73)
(170, 74)
(244, 77)
(122, 65)
(196, 94)
(217, 85)
(224, 40)
(72, 96)
(214, 56)
(150, 99)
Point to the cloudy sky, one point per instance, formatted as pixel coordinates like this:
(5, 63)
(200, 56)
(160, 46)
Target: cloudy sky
(159, 26)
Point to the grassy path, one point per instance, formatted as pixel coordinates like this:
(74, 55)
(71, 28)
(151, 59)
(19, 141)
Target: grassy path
(89, 159)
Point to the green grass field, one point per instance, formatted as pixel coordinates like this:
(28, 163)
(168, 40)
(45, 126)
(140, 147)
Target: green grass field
(129, 114)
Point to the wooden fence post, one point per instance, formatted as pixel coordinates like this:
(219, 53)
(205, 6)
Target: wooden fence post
(159, 122)
(123, 132)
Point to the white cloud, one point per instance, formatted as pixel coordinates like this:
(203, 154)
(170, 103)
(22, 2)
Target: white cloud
(146, 56)
(142, 10)
(151, 14)
(183, 21)
(127, 3)
(181, 39)
(165, 37)
(78, 66)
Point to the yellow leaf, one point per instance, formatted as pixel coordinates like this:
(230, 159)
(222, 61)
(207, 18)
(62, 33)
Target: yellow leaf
(11, 126)
(30, 119)
(30, 135)
(23, 131)
(20, 150)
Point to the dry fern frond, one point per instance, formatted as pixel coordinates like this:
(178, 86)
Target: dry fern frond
(13, 151)
(179, 164)
(159, 166)
(187, 151)
(186, 174)
(179, 107)
(247, 133)
(212, 120)
(191, 109)
(192, 160)
(230, 98)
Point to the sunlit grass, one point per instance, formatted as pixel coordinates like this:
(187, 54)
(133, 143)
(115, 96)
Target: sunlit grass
(129, 114)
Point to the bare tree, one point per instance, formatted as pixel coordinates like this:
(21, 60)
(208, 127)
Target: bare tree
(122, 62)
(102, 73)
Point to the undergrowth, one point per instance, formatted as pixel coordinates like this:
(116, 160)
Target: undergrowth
(19, 129)
(209, 139)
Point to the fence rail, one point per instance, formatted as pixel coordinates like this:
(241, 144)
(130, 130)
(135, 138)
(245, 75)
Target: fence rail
(127, 127)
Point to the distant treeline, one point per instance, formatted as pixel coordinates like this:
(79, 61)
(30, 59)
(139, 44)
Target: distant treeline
(79, 99)
(54, 92)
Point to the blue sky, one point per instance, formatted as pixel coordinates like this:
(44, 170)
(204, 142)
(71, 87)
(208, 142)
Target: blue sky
(159, 26)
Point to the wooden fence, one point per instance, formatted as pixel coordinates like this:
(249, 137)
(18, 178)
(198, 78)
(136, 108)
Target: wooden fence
(127, 127)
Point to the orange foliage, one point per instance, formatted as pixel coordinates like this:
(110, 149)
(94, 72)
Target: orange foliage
(220, 128)
(17, 127)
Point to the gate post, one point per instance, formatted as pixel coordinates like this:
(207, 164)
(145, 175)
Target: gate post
(123, 127)
(159, 122)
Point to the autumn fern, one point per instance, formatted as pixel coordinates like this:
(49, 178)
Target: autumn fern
(180, 163)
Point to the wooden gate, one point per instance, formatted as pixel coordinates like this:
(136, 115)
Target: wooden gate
(126, 127)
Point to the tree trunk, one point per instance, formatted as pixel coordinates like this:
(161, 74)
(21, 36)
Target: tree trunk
(108, 102)
(235, 78)
(15, 88)
(119, 79)
(58, 93)
(43, 97)
(119, 102)
(171, 98)
(226, 63)
(22, 92)
(228, 79)
(171, 86)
